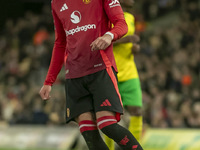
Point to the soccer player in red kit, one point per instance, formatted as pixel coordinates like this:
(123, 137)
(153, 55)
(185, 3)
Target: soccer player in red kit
(83, 43)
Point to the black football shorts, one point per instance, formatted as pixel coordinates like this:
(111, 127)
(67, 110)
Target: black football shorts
(93, 93)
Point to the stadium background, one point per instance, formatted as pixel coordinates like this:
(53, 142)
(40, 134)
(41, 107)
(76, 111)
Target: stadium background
(168, 65)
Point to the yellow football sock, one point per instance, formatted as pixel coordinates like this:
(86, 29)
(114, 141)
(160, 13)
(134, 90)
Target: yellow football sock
(135, 126)
(109, 142)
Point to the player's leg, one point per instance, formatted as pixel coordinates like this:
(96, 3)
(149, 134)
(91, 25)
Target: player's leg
(79, 108)
(136, 123)
(90, 133)
(107, 123)
(108, 108)
(132, 100)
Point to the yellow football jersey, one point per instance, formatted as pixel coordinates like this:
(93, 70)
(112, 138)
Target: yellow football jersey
(123, 54)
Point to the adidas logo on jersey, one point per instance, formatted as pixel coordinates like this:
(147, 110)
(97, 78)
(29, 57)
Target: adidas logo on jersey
(106, 103)
(64, 7)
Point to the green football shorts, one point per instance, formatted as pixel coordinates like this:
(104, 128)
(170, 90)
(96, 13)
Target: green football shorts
(131, 92)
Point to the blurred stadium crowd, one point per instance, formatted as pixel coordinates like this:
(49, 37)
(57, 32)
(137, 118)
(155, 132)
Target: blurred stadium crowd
(168, 64)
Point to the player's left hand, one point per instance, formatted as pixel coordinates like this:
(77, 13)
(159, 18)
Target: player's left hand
(135, 48)
(101, 43)
(134, 38)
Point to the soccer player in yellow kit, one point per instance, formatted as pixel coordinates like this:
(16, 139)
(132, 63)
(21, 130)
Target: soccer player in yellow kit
(129, 83)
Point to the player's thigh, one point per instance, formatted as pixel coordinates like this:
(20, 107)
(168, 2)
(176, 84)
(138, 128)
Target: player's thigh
(100, 114)
(85, 116)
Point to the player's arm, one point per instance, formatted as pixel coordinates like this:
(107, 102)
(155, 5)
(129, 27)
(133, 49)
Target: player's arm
(134, 39)
(116, 16)
(128, 39)
(57, 58)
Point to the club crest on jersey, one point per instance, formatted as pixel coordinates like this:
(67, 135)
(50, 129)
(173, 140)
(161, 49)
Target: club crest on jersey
(76, 17)
(86, 1)
(114, 3)
(68, 112)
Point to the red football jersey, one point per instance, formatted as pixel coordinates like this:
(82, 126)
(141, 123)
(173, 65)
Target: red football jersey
(77, 24)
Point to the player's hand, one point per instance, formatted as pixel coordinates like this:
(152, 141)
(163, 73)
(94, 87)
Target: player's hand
(45, 91)
(135, 48)
(134, 38)
(101, 43)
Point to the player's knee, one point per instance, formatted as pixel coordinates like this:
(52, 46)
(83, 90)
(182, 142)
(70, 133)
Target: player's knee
(100, 114)
(134, 110)
(85, 116)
